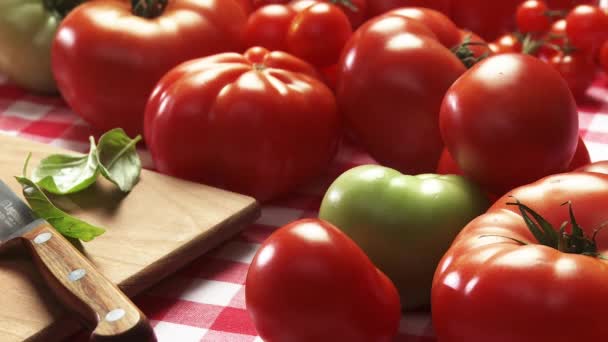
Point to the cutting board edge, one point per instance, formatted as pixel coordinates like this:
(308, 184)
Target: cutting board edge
(62, 329)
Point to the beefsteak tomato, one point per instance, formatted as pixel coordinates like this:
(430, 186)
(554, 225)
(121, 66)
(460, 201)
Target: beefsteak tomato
(403, 223)
(259, 123)
(107, 56)
(388, 94)
(506, 278)
(310, 282)
(510, 120)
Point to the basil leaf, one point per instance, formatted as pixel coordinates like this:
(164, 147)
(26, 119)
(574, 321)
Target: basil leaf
(118, 159)
(64, 223)
(64, 174)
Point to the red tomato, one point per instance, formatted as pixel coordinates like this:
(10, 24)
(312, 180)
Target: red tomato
(446, 31)
(318, 34)
(557, 37)
(447, 164)
(518, 291)
(569, 4)
(531, 17)
(267, 27)
(489, 19)
(260, 3)
(508, 43)
(388, 94)
(258, 124)
(106, 60)
(246, 5)
(578, 69)
(587, 27)
(377, 7)
(310, 282)
(355, 10)
(510, 120)
(603, 56)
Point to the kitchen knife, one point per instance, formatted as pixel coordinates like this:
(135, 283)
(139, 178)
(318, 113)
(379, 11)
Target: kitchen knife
(100, 304)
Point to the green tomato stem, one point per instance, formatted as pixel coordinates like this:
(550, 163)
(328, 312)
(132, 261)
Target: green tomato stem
(61, 8)
(346, 3)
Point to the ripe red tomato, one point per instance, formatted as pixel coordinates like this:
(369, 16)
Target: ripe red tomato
(106, 60)
(510, 120)
(516, 291)
(310, 282)
(556, 37)
(531, 17)
(578, 69)
(388, 94)
(447, 164)
(259, 123)
(246, 5)
(378, 7)
(489, 19)
(268, 26)
(446, 31)
(603, 56)
(318, 34)
(260, 3)
(587, 27)
(355, 10)
(569, 4)
(507, 43)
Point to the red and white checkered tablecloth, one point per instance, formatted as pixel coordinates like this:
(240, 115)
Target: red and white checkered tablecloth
(205, 301)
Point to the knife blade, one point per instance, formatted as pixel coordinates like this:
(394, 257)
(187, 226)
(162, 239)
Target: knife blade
(97, 302)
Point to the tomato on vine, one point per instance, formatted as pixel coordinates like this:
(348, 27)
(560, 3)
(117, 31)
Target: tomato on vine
(587, 27)
(533, 16)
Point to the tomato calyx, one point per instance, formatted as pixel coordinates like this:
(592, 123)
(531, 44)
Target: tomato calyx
(575, 242)
(60, 7)
(556, 14)
(148, 8)
(346, 3)
(466, 55)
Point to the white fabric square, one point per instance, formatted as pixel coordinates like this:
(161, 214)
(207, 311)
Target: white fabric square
(27, 110)
(210, 292)
(171, 332)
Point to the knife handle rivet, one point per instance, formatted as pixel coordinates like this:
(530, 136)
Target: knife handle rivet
(77, 274)
(42, 238)
(115, 315)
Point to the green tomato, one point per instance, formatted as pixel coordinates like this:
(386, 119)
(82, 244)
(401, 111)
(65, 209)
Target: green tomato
(403, 223)
(27, 29)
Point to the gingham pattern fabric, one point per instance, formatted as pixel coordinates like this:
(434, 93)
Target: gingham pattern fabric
(205, 301)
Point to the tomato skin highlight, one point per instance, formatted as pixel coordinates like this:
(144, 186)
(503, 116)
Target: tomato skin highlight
(261, 123)
(388, 95)
(511, 290)
(510, 120)
(304, 280)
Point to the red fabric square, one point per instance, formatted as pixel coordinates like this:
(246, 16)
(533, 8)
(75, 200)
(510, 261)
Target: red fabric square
(220, 336)
(179, 311)
(13, 123)
(47, 129)
(217, 269)
(234, 320)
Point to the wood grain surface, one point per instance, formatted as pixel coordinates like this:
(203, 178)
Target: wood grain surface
(160, 226)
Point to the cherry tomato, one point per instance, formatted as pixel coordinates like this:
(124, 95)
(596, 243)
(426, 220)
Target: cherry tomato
(310, 282)
(508, 43)
(107, 59)
(388, 94)
(260, 123)
(261, 3)
(556, 37)
(355, 10)
(578, 69)
(446, 31)
(378, 7)
(510, 120)
(532, 16)
(489, 19)
(268, 26)
(318, 34)
(587, 27)
(569, 4)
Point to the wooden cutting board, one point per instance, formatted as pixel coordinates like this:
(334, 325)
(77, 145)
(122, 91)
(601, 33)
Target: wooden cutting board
(160, 226)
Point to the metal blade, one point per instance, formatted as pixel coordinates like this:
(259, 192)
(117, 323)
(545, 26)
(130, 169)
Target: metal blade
(15, 215)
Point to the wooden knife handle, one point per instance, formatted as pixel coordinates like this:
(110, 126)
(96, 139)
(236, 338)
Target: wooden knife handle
(102, 306)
